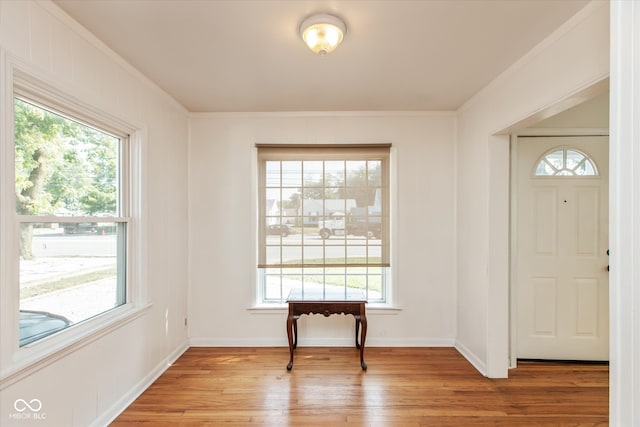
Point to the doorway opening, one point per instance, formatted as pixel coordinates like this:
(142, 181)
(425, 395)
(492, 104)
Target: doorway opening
(559, 236)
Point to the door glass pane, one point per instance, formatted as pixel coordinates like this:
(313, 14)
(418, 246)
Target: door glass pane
(573, 159)
(586, 169)
(565, 162)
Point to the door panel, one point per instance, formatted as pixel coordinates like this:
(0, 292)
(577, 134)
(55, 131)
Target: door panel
(586, 221)
(545, 307)
(586, 304)
(561, 244)
(545, 220)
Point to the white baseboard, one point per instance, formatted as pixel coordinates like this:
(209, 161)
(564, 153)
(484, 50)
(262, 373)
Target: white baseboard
(123, 403)
(471, 357)
(321, 342)
(237, 342)
(409, 342)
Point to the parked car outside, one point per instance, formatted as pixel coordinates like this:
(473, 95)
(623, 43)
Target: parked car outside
(80, 228)
(279, 230)
(35, 325)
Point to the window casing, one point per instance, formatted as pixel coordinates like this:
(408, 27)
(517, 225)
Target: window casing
(323, 220)
(72, 216)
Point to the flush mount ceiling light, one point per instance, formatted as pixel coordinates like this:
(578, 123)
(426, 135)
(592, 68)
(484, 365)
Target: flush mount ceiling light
(322, 33)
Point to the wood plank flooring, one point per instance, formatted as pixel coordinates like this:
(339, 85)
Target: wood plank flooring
(402, 387)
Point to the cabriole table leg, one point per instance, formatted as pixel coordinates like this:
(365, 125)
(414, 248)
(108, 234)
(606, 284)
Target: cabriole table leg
(363, 337)
(290, 326)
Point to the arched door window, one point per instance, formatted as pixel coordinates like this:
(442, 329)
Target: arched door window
(565, 162)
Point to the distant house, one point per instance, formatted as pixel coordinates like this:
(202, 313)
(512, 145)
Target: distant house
(312, 209)
(273, 212)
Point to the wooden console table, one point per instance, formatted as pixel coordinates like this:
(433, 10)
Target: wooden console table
(351, 301)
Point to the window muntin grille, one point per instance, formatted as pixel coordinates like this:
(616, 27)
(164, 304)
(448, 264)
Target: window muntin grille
(323, 219)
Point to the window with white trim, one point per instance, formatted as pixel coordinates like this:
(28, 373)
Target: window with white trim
(323, 220)
(72, 215)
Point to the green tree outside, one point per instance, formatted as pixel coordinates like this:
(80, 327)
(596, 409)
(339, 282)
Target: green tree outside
(60, 164)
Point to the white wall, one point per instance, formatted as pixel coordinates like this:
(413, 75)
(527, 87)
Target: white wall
(92, 382)
(591, 114)
(222, 218)
(556, 74)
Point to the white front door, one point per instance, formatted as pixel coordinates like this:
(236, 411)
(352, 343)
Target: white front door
(561, 248)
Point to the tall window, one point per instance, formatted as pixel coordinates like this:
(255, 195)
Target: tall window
(323, 219)
(72, 214)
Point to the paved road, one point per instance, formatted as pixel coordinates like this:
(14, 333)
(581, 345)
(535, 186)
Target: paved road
(85, 245)
(334, 247)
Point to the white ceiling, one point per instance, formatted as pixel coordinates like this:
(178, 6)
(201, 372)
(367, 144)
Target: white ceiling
(246, 55)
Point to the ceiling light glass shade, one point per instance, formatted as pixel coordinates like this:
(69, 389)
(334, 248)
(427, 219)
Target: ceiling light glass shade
(322, 33)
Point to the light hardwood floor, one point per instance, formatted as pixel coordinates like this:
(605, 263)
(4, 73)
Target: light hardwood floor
(402, 387)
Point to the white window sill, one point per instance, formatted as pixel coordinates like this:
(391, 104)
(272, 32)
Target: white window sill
(35, 356)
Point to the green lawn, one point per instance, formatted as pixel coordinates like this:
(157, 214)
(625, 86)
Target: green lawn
(67, 282)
